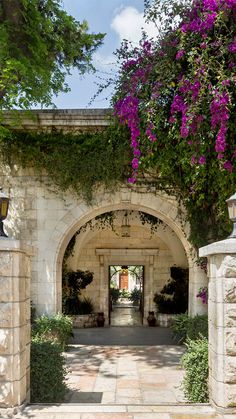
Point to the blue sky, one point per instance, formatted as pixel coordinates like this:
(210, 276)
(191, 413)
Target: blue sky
(119, 19)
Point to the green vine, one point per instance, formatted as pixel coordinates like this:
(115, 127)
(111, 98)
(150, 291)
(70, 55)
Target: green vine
(153, 221)
(81, 162)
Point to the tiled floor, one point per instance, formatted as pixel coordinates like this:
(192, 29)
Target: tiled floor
(124, 375)
(125, 315)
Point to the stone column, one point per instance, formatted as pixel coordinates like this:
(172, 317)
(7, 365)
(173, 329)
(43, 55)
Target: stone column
(222, 322)
(14, 323)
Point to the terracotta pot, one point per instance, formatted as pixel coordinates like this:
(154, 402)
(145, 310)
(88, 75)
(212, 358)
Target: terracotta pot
(151, 319)
(100, 319)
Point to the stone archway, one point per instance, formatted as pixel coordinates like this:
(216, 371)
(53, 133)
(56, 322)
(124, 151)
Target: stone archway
(160, 205)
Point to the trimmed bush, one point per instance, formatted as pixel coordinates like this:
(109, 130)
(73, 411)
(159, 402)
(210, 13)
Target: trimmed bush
(195, 363)
(184, 327)
(48, 371)
(57, 328)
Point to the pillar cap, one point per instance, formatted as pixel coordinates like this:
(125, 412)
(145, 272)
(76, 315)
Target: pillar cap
(221, 247)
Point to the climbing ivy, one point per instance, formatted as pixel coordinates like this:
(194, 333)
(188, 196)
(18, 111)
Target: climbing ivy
(81, 162)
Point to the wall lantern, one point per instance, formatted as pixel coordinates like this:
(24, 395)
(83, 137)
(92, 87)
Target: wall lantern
(4, 204)
(125, 226)
(231, 202)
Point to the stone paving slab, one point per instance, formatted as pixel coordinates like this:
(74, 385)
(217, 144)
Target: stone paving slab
(168, 411)
(125, 375)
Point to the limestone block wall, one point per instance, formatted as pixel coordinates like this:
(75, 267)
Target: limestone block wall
(14, 323)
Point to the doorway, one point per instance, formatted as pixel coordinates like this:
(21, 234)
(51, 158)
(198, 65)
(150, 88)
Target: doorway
(126, 295)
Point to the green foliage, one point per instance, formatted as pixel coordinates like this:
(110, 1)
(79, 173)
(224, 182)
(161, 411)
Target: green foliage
(72, 284)
(173, 298)
(40, 43)
(86, 306)
(135, 295)
(82, 162)
(152, 221)
(195, 362)
(115, 294)
(124, 293)
(47, 371)
(57, 328)
(184, 327)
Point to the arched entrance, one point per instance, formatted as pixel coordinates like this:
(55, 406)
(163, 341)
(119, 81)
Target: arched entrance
(160, 206)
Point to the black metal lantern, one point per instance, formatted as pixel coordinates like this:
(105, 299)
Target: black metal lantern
(4, 204)
(231, 202)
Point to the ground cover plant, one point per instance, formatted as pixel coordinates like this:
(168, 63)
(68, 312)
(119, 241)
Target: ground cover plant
(50, 336)
(195, 363)
(57, 328)
(185, 327)
(47, 371)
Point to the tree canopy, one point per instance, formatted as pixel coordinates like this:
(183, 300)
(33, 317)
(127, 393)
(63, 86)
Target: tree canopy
(40, 43)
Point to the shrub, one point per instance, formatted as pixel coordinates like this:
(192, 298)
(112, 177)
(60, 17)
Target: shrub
(195, 362)
(48, 371)
(57, 328)
(72, 284)
(184, 327)
(173, 298)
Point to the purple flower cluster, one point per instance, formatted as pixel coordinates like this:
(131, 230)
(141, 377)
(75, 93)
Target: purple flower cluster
(203, 294)
(232, 46)
(127, 111)
(180, 54)
(219, 117)
(149, 133)
(195, 84)
(204, 14)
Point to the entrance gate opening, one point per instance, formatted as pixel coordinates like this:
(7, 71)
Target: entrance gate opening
(126, 295)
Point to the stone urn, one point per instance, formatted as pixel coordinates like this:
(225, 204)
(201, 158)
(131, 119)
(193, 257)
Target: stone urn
(151, 319)
(100, 319)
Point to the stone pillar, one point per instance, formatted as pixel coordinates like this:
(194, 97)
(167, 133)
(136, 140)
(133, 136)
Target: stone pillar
(14, 324)
(222, 322)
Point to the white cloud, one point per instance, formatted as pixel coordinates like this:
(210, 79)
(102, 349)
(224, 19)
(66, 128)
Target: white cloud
(128, 23)
(104, 61)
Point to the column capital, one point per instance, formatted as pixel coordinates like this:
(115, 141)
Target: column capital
(221, 247)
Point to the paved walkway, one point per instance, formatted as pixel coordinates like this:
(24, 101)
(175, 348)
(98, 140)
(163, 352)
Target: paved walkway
(125, 315)
(108, 380)
(124, 375)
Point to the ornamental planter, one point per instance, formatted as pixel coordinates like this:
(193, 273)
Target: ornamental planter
(165, 320)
